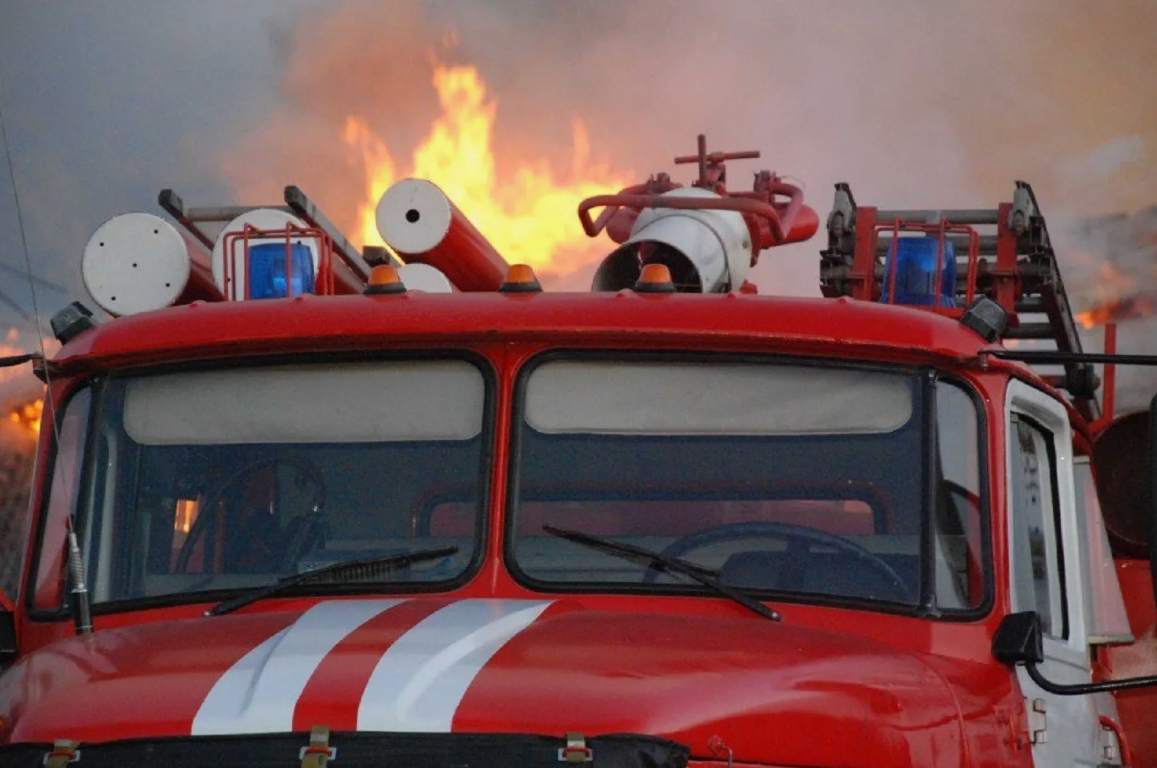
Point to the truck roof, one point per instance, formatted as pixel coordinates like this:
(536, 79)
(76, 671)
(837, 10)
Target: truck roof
(839, 326)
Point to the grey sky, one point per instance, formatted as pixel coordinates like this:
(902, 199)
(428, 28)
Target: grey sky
(106, 102)
(915, 103)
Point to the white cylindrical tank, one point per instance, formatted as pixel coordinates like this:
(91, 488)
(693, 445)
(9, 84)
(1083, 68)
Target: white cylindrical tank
(138, 262)
(423, 226)
(423, 277)
(706, 251)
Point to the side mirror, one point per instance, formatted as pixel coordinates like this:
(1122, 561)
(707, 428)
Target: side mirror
(1019, 640)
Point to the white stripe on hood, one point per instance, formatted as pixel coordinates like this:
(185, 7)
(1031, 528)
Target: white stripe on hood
(259, 693)
(421, 679)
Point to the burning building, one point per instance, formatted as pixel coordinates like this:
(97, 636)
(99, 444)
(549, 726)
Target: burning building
(1120, 287)
(1125, 250)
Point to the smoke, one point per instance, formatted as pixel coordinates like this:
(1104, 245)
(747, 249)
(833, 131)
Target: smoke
(356, 59)
(1113, 268)
(914, 104)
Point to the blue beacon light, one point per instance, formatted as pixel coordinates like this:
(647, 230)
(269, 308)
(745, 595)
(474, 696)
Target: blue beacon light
(915, 265)
(268, 273)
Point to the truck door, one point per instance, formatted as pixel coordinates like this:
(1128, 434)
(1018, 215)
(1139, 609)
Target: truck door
(1045, 540)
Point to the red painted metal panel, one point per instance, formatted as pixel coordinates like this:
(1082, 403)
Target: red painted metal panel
(1137, 708)
(261, 327)
(464, 255)
(201, 285)
(1005, 273)
(687, 669)
(330, 696)
(863, 275)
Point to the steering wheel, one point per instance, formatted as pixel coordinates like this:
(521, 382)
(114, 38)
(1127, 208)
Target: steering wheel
(305, 529)
(800, 539)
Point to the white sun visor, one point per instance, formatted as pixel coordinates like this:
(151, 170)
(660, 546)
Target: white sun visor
(350, 403)
(612, 397)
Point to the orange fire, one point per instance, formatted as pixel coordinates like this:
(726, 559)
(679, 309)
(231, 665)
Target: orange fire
(529, 215)
(1129, 308)
(1114, 302)
(28, 415)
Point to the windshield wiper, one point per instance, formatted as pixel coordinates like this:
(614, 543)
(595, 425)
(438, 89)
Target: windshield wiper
(631, 552)
(368, 567)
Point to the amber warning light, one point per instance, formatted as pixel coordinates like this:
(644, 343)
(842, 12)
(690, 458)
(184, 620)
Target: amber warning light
(384, 279)
(655, 278)
(520, 278)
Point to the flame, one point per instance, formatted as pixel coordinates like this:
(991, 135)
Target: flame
(381, 173)
(529, 215)
(28, 415)
(1118, 299)
(1128, 308)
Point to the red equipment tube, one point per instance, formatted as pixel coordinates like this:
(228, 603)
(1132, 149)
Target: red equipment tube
(421, 224)
(798, 222)
(1109, 402)
(201, 285)
(617, 221)
(738, 204)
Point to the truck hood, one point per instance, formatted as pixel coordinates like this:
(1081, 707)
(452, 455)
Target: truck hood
(772, 692)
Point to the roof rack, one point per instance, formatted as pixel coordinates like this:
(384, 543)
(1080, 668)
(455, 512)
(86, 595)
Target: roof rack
(192, 220)
(1004, 253)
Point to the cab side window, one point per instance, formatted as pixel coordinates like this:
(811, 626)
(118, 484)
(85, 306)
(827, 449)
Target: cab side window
(958, 546)
(1038, 576)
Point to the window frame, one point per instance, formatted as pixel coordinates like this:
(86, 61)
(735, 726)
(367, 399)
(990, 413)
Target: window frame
(1050, 414)
(1091, 519)
(927, 379)
(984, 514)
(1049, 517)
(82, 511)
(91, 386)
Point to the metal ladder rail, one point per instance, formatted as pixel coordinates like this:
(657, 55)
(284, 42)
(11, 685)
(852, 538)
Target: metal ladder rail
(1021, 272)
(296, 203)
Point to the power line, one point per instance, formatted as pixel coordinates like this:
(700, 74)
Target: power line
(23, 238)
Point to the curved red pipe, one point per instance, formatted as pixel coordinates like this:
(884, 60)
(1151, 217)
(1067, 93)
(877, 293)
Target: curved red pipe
(737, 204)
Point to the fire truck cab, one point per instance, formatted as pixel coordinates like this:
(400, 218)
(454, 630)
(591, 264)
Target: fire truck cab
(303, 505)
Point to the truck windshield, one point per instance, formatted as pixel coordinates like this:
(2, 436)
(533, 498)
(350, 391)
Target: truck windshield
(806, 482)
(212, 480)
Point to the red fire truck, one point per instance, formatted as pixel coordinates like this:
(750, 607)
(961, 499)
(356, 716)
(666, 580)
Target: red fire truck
(301, 505)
